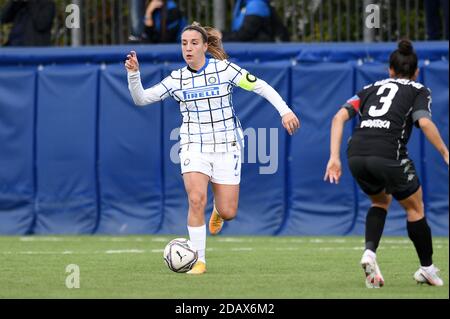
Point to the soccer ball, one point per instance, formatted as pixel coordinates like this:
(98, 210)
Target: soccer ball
(179, 255)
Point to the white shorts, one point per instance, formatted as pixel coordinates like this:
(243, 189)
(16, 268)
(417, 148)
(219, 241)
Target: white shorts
(222, 168)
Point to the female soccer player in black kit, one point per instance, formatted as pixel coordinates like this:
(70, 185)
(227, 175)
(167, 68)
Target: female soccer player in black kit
(379, 161)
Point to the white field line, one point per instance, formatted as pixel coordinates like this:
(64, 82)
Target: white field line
(102, 239)
(158, 251)
(342, 248)
(362, 248)
(121, 239)
(287, 248)
(124, 251)
(396, 241)
(110, 251)
(161, 239)
(167, 239)
(29, 252)
(46, 238)
(281, 240)
(233, 240)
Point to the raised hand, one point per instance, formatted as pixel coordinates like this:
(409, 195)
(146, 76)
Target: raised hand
(132, 63)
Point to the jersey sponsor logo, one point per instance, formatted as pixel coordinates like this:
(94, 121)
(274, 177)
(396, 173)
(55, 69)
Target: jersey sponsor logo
(207, 92)
(375, 124)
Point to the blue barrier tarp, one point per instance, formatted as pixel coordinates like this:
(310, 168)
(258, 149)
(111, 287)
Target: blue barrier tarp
(76, 155)
(17, 167)
(129, 156)
(436, 172)
(65, 150)
(316, 99)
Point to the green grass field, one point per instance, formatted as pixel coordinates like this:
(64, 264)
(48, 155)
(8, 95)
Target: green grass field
(238, 267)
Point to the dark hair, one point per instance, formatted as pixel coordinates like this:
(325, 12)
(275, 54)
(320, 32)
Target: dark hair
(404, 60)
(211, 37)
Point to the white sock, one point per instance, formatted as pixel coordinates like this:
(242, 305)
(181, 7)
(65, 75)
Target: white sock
(427, 267)
(197, 236)
(370, 253)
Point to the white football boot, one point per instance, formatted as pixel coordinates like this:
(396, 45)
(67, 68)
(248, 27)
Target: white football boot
(374, 278)
(428, 275)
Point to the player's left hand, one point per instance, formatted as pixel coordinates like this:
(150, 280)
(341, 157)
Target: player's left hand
(334, 170)
(290, 122)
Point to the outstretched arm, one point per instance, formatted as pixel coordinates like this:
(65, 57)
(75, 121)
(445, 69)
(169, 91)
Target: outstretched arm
(334, 167)
(289, 120)
(432, 134)
(139, 95)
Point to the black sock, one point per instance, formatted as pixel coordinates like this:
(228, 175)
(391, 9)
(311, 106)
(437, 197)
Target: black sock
(375, 219)
(420, 234)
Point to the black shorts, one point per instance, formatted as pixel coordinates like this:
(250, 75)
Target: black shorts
(375, 174)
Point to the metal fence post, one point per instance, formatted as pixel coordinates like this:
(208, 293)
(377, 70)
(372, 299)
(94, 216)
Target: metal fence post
(219, 10)
(368, 33)
(75, 33)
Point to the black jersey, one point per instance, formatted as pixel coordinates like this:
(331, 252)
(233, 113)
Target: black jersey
(388, 109)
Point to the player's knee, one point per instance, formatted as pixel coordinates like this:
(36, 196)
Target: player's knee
(228, 213)
(415, 213)
(197, 201)
(383, 202)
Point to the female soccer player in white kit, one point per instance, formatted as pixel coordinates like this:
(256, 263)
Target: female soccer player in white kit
(211, 135)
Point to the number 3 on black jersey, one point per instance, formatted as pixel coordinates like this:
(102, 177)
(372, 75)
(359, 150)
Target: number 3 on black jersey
(386, 100)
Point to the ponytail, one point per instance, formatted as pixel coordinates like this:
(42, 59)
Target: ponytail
(215, 46)
(212, 37)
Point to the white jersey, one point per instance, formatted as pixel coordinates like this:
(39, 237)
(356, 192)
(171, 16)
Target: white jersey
(209, 121)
